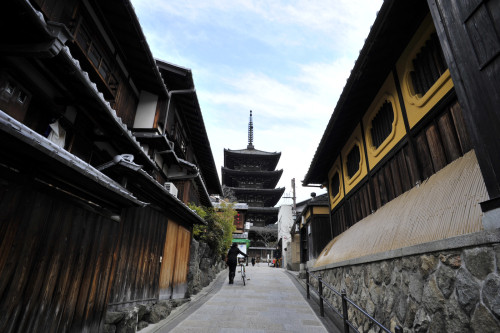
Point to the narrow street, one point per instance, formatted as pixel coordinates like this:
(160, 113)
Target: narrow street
(269, 302)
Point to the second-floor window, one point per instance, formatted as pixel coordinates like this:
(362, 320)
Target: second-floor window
(353, 159)
(428, 65)
(96, 54)
(335, 185)
(382, 124)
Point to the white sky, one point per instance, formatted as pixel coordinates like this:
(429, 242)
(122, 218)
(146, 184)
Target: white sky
(286, 60)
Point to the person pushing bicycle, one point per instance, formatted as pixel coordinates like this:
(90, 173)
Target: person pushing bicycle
(232, 260)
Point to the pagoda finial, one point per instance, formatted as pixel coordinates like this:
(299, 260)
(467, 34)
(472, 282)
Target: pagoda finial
(250, 132)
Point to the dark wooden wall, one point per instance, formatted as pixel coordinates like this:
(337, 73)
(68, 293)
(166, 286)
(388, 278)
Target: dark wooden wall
(439, 139)
(469, 34)
(56, 261)
(321, 235)
(141, 243)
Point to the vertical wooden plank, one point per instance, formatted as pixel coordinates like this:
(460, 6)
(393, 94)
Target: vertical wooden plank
(406, 183)
(395, 175)
(182, 256)
(99, 288)
(424, 155)
(382, 187)
(435, 148)
(376, 191)
(69, 273)
(448, 134)
(389, 185)
(167, 267)
(92, 248)
(462, 133)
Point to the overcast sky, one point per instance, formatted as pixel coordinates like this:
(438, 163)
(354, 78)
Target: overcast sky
(286, 60)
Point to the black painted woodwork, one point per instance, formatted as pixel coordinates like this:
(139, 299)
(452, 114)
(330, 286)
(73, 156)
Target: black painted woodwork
(469, 32)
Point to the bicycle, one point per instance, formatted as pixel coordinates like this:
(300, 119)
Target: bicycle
(242, 272)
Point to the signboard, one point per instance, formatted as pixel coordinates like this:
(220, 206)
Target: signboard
(243, 248)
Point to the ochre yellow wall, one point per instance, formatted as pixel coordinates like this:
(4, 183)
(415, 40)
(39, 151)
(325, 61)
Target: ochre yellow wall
(337, 167)
(388, 93)
(418, 106)
(355, 139)
(320, 210)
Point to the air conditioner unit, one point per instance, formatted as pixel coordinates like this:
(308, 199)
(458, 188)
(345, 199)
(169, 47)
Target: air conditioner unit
(171, 188)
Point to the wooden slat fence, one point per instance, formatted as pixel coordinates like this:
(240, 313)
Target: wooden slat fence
(56, 260)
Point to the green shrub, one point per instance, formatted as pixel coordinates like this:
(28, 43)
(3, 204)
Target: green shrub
(218, 232)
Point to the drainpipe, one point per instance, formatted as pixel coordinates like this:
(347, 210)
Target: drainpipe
(170, 93)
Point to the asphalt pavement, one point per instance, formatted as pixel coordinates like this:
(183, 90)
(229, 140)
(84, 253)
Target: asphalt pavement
(271, 301)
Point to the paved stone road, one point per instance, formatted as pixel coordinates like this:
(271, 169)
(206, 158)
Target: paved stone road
(270, 302)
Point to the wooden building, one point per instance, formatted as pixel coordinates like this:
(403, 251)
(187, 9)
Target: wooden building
(419, 103)
(96, 138)
(315, 228)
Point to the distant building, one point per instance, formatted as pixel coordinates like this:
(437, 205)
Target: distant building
(250, 177)
(285, 224)
(250, 174)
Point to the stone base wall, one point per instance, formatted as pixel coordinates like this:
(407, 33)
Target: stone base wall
(445, 291)
(203, 268)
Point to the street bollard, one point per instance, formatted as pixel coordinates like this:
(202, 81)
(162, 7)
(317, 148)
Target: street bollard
(307, 284)
(345, 314)
(320, 293)
(398, 329)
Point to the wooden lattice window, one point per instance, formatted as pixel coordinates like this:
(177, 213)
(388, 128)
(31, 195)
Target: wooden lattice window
(353, 159)
(335, 184)
(96, 54)
(428, 65)
(382, 124)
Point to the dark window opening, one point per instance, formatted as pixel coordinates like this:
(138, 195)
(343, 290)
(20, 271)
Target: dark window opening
(335, 184)
(382, 124)
(96, 54)
(353, 159)
(428, 65)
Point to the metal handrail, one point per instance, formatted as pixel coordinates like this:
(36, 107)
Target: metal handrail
(345, 302)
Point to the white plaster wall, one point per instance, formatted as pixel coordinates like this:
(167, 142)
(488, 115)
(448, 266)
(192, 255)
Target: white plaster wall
(146, 109)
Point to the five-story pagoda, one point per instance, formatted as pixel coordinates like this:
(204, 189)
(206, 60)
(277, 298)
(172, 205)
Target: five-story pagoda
(251, 176)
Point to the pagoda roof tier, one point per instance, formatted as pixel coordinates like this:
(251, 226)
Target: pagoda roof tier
(268, 214)
(269, 179)
(270, 196)
(234, 158)
(263, 210)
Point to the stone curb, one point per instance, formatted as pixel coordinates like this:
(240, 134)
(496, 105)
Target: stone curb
(180, 313)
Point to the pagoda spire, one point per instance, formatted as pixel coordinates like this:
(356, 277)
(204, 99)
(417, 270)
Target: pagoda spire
(250, 132)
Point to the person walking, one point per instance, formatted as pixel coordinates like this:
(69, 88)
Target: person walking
(253, 261)
(232, 260)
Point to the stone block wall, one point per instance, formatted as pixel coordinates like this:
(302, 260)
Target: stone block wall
(204, 266)
(445, 291)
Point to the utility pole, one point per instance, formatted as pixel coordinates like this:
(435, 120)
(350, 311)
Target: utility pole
(294, 211)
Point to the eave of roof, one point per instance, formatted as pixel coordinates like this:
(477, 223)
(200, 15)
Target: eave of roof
(251, 154)
(271, 177)
(179, 78)
(149, 190)
(395, 24)
(124, 24)
(22, 147)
